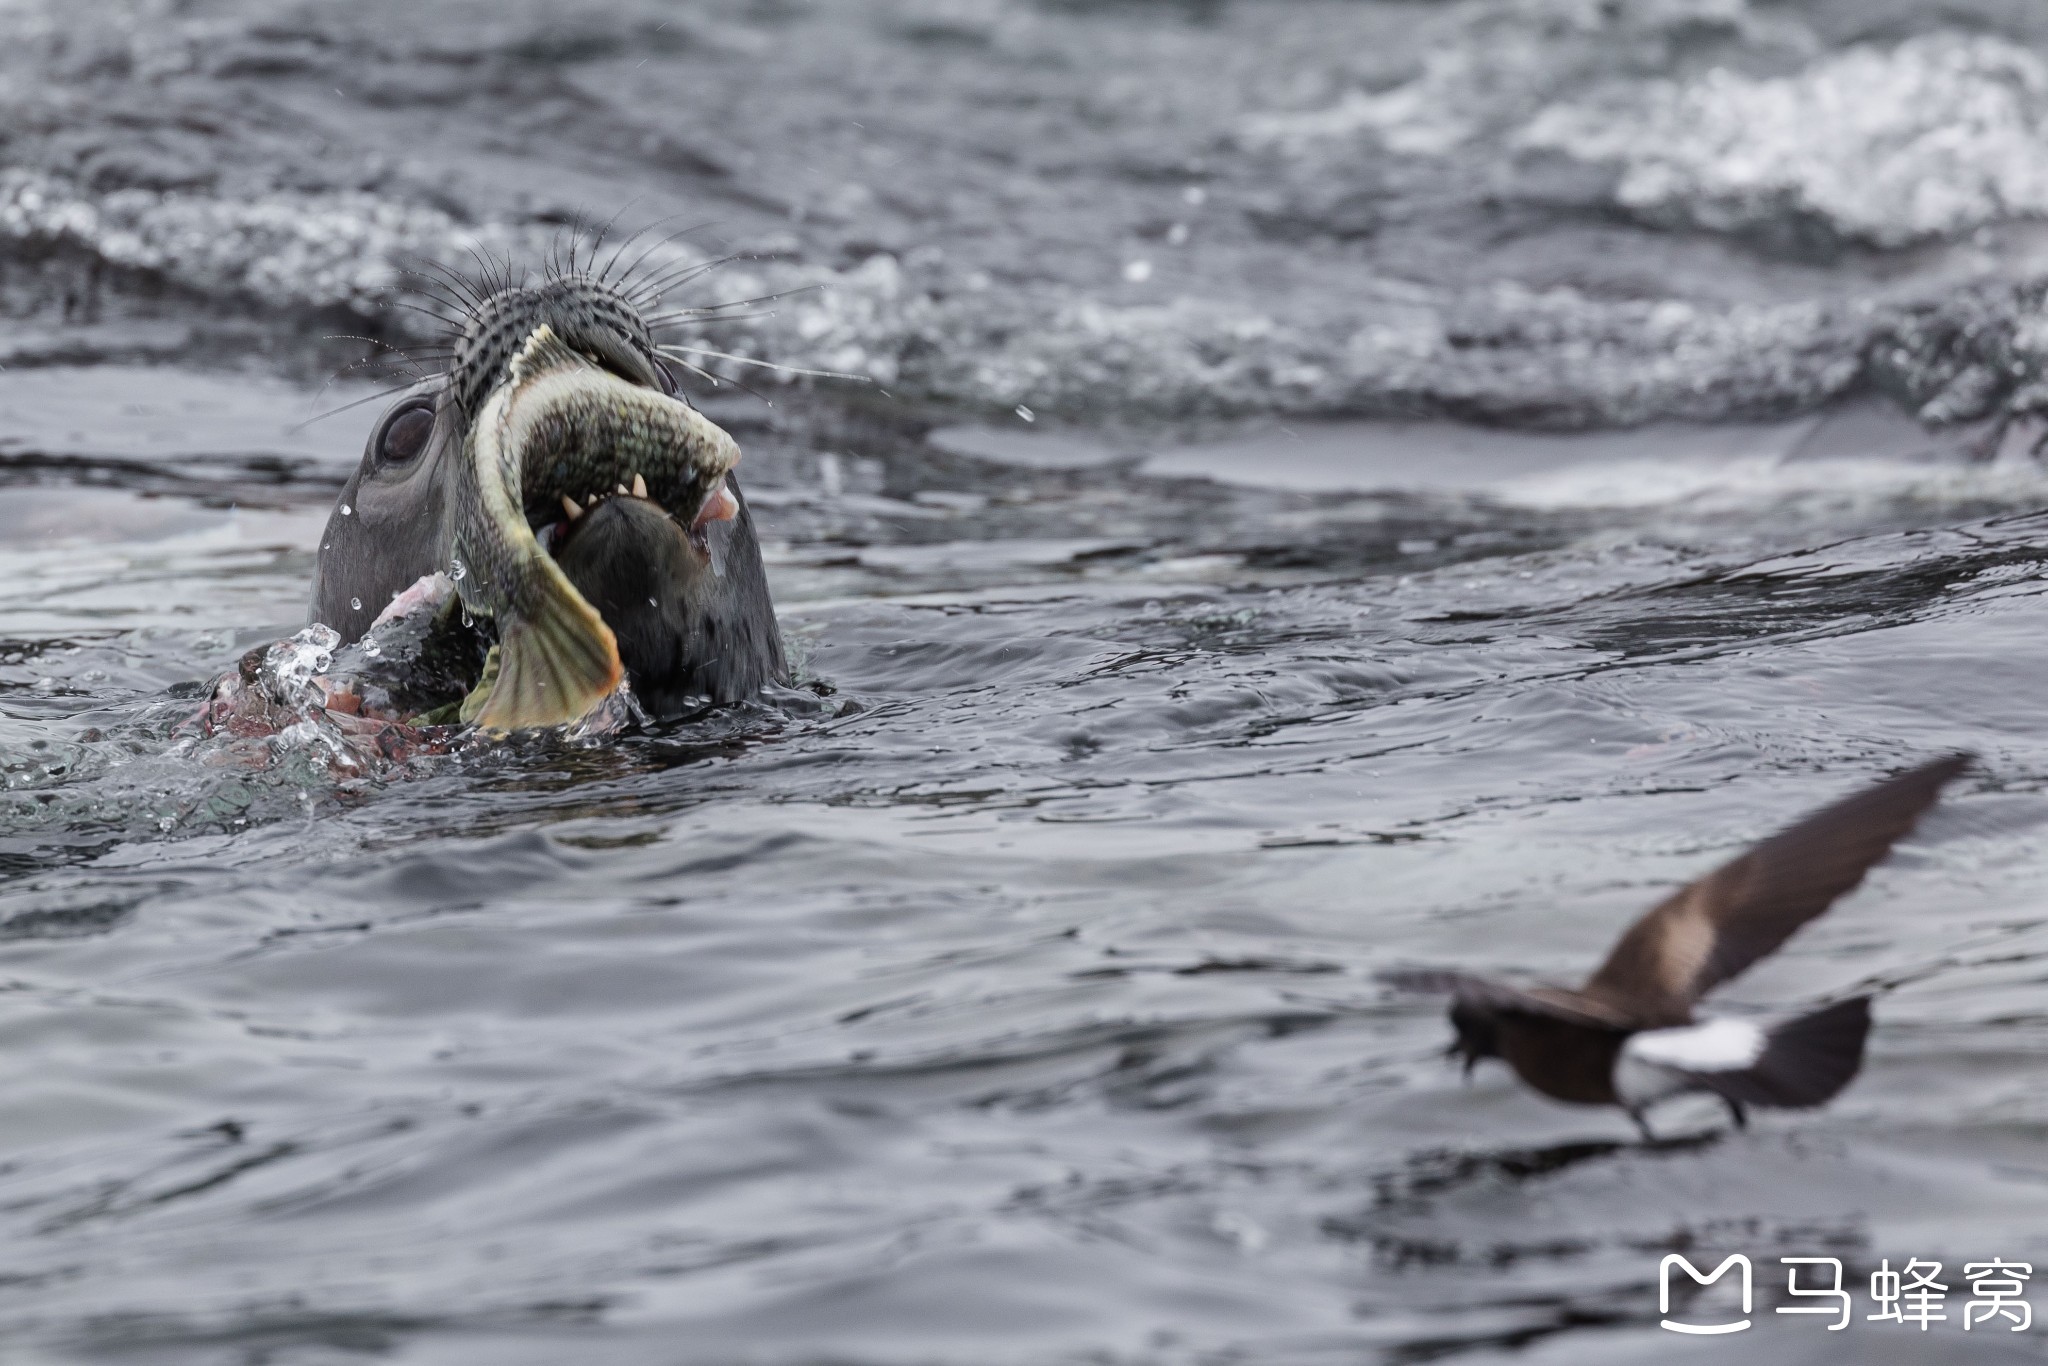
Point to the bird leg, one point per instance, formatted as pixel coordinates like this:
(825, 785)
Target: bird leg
(1642, 1125)
(1736, 1112)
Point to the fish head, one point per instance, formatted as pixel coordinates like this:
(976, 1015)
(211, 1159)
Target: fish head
(625, 486)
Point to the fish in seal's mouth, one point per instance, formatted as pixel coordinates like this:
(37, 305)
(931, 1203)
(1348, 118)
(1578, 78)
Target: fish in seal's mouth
(559, 436)
(585, 511)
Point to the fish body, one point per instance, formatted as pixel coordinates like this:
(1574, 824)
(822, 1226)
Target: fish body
(561, 430)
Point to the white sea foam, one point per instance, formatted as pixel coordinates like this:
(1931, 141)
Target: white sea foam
(1490, 351)
(1933, 137)
(319, 250)
(1517, 350)
(1494, 62)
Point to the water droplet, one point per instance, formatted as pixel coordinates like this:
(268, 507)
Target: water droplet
(467, 620)
(457, 569)
(1137, 272)
(356, 603)
(1026, 413)
(347, 511)
(652, 603)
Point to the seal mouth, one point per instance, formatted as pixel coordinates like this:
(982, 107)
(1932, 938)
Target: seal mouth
(719, 506)
(560, 431)
(571, 464)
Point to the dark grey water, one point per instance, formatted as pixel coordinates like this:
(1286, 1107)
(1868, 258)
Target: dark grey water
(1013, 1000)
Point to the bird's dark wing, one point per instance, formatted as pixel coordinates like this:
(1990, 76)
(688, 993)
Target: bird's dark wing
(1713, 929)
(1551, 1002)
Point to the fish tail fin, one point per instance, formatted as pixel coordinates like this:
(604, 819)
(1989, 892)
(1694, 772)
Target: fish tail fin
(1804, 1062)
(555, 663)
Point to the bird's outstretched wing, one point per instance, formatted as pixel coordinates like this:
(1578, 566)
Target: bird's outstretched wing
(1710, 931)
(1551, 1002)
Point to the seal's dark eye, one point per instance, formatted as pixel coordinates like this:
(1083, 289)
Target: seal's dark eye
(405, 435)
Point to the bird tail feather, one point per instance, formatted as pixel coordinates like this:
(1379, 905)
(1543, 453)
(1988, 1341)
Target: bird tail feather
(1805, 1062)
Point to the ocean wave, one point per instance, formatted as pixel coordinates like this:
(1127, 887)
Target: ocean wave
(283, 249)
(1498, 353)
(1938, 135)
(1495, 64)
(925, 330)
(1539, 335)
(916, 326)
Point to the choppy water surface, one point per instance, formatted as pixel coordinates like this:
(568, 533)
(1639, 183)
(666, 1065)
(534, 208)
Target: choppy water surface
(1006, 993)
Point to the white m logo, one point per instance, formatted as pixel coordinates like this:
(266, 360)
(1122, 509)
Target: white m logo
(1664, 1292)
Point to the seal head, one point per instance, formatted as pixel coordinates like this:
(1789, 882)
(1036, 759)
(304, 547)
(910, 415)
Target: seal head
(550, 388)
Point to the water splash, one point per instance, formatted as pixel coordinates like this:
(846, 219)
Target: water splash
(292, 669)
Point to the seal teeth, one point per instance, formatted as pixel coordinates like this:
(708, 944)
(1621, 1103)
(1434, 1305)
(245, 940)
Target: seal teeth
(624, 489)
(570, 506)
(639, 485)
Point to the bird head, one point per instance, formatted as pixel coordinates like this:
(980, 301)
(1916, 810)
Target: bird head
(1478, 1035)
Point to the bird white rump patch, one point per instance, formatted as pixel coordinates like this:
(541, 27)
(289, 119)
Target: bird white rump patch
(1664, 1062)
(1714, 1046)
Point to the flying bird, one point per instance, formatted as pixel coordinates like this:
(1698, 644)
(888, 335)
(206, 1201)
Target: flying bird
(1629, 1037)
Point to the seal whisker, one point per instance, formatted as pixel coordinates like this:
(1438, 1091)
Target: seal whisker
(711, 310)
(465, 292)
(697, 317)
(497, 275)
(427, 287)
(626, 276)
(597, 239)
(411, 361)
(699, 371)
(328, 383)
(332, 412)
(561, 260)
(452, 324)
(749, 390)
(671, 351)
(718, 381)
(650, 291)
(382, 344)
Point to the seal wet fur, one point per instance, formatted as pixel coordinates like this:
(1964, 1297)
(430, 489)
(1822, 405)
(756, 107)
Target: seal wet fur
(687, 602)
